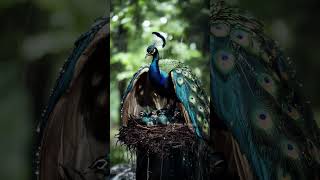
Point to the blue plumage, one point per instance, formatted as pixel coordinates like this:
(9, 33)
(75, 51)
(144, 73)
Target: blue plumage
(158, 78)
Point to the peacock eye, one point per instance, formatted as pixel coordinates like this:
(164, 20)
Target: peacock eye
(224, 61)
(220, 29)
(241, 37)
(224, 57)
(267, 82)
(290, 147)
(262, 119)
(180, 80)
(185, 73)
(192, 99)
(262, 116)
(194, 88)
(178, 71)
(200, 108)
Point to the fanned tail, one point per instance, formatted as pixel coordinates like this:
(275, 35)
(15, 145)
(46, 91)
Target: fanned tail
(255, 93)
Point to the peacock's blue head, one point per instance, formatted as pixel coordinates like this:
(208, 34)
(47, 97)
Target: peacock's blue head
(151, 50)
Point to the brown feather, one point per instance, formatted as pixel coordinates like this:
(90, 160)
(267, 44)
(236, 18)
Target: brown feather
(77, 132)
(143, 95)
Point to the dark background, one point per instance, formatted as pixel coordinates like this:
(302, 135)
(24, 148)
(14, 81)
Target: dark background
(37, 36)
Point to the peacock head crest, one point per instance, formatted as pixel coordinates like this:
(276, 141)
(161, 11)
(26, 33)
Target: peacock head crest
(152, 49)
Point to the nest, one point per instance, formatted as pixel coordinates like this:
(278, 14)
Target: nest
(160, 139)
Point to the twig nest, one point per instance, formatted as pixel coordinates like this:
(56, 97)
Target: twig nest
(159, 139)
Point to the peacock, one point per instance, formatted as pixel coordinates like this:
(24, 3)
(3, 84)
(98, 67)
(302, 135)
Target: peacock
(164, 89)
(268, 130)
(165, 93)
(73, 131)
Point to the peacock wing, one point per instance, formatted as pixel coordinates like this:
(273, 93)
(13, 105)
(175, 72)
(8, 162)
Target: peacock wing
(137, 95)
(255, 93)
(194, 100)
(73, 141)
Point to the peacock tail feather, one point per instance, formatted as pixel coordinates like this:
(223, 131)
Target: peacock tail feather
(191, 94)
(255, 93)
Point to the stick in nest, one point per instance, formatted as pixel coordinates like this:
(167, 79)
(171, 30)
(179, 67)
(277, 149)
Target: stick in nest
(157, 139)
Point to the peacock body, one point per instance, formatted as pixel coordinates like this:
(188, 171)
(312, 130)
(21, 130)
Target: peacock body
(73, 141)
(255, 94)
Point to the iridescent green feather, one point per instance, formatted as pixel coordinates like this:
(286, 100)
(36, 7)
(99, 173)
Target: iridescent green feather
(190, 92)
(255, 93)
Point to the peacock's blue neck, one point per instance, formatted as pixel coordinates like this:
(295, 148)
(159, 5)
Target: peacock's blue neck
(158, 79)
(154, 70)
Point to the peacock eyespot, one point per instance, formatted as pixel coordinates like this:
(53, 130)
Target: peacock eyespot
(194, 88)
(200, 108)
(192, 99)
(185, 73)
(180, 80)
(263, 120)
(224, 61)
(262, 116)
(224, 57)
(220, 29)
(267, 83)
(290, 147)
(241, 37)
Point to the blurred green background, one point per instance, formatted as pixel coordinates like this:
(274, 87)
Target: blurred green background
(37, 36)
